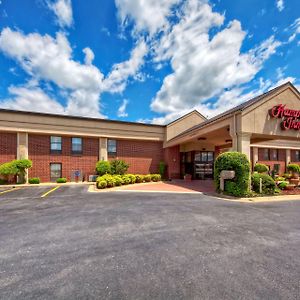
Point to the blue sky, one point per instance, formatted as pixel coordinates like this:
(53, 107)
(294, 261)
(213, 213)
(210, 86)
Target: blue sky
(146, 61)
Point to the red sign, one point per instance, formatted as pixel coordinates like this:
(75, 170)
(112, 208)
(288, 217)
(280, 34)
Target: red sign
(290, 117)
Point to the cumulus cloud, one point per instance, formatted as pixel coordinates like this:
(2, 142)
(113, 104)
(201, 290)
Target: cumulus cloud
(202, 66)
(116, 80)
(63, 12)
(50, 59)
(89, 55)
(280, 5)
(148, 15)
(122, 109)
(31, 99)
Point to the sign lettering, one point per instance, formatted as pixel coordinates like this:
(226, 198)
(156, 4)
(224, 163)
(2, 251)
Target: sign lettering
(290, 117)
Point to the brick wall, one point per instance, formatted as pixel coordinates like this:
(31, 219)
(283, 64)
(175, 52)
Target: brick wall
(172, 159)
(8, 146)
(39, 153)
(281, 160)
(143, 157)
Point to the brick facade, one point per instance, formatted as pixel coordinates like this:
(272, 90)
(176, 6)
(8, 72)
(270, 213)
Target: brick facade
(39, 153)
(281, 160)
(172, 159)
(8, 147)
(143, 157)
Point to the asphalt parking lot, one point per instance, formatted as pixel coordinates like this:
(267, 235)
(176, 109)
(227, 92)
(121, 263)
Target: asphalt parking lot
(122, 245)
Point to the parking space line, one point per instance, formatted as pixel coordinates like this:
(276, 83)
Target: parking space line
(10, 190)
(50, 191)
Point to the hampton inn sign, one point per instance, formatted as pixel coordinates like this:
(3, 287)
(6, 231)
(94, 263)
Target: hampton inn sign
(290, 117)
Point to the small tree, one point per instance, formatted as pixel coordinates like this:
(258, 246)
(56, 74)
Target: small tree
(294, 169)
(22, 165)
(103, 167)
(119, 167)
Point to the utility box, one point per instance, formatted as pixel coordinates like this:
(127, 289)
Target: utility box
(225, 174)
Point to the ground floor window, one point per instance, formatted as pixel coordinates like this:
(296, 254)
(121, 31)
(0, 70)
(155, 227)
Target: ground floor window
(270, 154)
(55, 171)
(297, 155)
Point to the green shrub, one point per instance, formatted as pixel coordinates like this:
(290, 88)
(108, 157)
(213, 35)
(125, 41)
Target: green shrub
(294, 168)
(282, 185)
(34, 180)
(239, 163)
(118, 180)
(126, 179)
(139, 178)
(103, 167)
(61, 180)
(101, 184)
(7, 169)
(280, 178)
(147, 178)
(108, 178)
(268, 183)
(132, 178)
(287, 175)
(162, 168)
(119, 167)
(261, 168)
(155, 177)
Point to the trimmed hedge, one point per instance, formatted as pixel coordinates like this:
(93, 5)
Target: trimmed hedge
(103, 167)
(108, 180)
(261, 168)
(233, 161)
(34, 180)
(268, 183)
(118, 167)
(293, 168)
(61, 180)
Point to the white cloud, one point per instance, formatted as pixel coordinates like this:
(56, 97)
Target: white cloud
(280, 5)
(31, 99)
(295, 27)
(50, 59)
(122, 109)
(63, 12)
(116, 80)
(149, 15)
(204, 66)
(89, 55)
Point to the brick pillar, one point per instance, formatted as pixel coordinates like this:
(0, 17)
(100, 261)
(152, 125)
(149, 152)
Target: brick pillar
(172, 159)
(102, 148)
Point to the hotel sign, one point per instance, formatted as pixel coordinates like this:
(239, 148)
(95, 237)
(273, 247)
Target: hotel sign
(290, 117)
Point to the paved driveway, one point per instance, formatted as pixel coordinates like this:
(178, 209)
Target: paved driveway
(122, 245)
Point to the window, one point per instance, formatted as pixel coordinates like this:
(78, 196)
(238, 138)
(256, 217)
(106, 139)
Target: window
(266, 154)
(77, 145)
(297, 155)
(112, 147)
(55, 144)
(55, 171)
(273, 154)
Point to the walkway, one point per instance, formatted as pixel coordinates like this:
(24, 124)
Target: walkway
(203, 186)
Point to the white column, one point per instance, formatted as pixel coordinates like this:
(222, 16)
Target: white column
(241, 143)
(22, 148)
(255, 156)
(288, 157)
(102, 148)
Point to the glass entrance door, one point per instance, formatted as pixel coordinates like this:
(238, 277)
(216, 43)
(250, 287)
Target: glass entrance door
(203, 164)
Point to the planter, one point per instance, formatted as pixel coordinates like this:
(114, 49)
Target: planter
(290, 187)
(187, 177)
(294, 181)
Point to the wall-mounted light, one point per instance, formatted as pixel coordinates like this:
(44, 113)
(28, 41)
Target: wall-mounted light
(202, 139)
(227, 141)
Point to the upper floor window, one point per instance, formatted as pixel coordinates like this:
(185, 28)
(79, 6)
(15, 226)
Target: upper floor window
(297, 155)
(76, 145)
(55, 144)
(273, 154)
(112, 147)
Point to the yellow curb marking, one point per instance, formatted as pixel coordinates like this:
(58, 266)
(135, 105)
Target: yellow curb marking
(7, 191)
(47, 193)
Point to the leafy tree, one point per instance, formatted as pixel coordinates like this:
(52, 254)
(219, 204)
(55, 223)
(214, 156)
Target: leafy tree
(103, 167)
